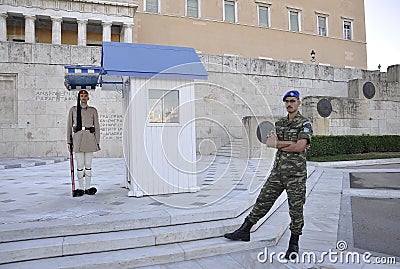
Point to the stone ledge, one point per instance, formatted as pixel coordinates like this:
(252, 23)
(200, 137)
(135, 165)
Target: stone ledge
(354, 163)
(92, 6)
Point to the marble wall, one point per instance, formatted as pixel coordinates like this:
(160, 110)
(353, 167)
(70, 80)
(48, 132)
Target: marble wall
(371, 108)
(35, 102)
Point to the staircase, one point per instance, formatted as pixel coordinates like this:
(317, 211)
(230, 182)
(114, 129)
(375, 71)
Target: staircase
(146, 238)
(232, 149)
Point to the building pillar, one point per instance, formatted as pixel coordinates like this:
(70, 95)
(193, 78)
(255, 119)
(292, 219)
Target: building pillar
(30, 28)
(3, 26)
(56, 30)
(82, 32)
(106, 30)
(127, 37)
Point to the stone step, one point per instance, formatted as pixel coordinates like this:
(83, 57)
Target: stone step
(233, 145)
(109, 241)
(267, 235)
(165, 239)
(236, 143)
(231, 149)
(24, 241)
(114, 223)
(228, 149)
(235, 140)
(228, 155)
(102, 242)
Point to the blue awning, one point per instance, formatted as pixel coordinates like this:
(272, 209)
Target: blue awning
(141, 60)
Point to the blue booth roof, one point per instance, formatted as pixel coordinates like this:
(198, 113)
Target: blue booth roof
(141, 60)
(80, 77)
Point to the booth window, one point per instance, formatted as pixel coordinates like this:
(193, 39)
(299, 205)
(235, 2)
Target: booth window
(164, 106)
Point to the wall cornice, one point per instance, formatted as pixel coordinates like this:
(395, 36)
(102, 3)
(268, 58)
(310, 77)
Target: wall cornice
(86, 6)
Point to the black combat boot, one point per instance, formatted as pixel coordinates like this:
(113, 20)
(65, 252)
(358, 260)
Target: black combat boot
(293, 249)
(243, 233)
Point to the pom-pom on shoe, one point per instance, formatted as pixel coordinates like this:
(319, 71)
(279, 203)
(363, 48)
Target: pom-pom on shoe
(77, 193)
(91, 191)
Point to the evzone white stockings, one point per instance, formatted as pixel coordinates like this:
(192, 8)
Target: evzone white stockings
(84, 168)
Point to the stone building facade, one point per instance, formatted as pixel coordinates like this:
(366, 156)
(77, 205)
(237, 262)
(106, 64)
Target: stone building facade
(282, 30)
(39, 37)
(35, 101)
(372, 107)
(75, 22)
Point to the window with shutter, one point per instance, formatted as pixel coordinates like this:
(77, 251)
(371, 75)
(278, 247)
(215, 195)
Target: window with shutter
(322, 29)
(294, 21)
(192, 8)
(347, 34)
(263, 16)
(230, 13)
(152, 6)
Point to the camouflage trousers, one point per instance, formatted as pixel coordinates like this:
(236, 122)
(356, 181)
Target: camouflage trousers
(295, 187)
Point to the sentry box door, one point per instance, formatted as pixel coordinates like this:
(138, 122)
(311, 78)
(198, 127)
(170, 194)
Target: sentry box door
(159, 123)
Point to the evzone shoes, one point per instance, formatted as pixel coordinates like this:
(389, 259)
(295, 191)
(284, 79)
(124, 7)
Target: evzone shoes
(91, 191)
(79, 192)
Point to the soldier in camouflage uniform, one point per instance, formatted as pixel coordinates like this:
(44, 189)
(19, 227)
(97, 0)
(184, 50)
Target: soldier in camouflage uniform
(292, 138)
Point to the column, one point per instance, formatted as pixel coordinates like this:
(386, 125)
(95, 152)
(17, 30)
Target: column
(82, 32)
(127, 37)
(3, 26)
(30, 28)
(56, 30)
(106, 30)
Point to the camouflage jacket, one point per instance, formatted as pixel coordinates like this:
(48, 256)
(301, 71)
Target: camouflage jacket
(292, 163)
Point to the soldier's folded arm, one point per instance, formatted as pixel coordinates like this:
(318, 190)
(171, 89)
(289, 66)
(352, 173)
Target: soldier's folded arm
(299, 146)
(273, 142)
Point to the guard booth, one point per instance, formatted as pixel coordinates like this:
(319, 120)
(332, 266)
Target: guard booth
(159, 138)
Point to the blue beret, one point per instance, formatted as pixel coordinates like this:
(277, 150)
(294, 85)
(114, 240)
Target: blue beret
(292, 93)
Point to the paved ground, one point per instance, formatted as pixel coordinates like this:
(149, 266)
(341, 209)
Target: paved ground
(377, 180)
(8, 163)
(375, 222)
(40, 193)
(43, 192)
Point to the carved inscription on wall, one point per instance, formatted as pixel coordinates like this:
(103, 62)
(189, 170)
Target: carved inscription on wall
(352, 108)
(390, 91)
(110, 126)
(53, 95)
(8, 98)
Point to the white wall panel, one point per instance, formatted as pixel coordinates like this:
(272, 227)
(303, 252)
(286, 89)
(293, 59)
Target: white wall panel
(162, 156)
